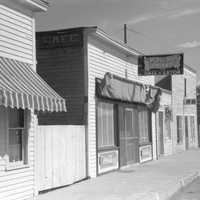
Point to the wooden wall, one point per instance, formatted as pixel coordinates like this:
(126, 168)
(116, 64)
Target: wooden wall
(60, 57)
(16, 35)
(61, 156)
(104, 58)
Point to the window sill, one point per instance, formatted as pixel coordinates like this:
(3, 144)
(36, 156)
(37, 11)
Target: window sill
(11, 167)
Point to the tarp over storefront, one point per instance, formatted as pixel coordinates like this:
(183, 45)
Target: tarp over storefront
(22, 87)
(117, 88)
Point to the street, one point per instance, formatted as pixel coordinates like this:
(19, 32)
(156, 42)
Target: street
(191, 192)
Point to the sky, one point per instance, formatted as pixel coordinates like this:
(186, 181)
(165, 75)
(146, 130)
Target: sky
(153, 26)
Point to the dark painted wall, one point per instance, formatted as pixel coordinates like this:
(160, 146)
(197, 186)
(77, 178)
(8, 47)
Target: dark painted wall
(60, 62)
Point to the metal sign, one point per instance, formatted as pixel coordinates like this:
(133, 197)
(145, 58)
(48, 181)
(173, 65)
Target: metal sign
(168, 64)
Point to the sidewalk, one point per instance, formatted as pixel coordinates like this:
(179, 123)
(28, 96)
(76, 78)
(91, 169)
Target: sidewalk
(156, 180)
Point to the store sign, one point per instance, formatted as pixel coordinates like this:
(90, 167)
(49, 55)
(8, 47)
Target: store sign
(160, 64)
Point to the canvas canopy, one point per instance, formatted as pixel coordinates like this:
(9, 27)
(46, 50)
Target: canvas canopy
(22, 87)
(117, 88)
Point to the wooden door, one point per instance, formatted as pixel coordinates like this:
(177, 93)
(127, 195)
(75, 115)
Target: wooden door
(160, 134)
(128, 125)
(186, 133)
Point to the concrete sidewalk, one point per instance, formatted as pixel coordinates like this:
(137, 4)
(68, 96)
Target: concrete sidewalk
(156, 180)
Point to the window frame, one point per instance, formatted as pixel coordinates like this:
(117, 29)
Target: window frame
(24, 144)
(179, 136)
(115, 140)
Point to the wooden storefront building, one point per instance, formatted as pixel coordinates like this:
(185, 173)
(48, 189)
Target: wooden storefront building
(22, 93)
(98, 77)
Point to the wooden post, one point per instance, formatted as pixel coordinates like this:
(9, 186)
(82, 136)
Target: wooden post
(125, 34)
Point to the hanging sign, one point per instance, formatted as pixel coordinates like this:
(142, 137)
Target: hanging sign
(168, 64)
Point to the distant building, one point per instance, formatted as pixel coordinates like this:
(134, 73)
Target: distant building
(184, 111)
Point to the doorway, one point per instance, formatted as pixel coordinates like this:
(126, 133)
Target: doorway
(129, 135)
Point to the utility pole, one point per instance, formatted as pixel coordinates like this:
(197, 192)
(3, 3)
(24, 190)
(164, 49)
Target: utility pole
(125, 34)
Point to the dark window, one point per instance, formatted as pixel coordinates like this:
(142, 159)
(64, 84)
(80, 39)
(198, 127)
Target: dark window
(185, 87)
(16, 138)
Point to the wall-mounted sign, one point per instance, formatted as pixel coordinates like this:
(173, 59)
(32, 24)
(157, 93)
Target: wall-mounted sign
(168, 64)
(107, 161)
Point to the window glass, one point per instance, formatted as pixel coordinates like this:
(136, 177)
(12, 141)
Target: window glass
(105, 124)
(16, 135)
(192, 129)
(144, 126)
(179, 121)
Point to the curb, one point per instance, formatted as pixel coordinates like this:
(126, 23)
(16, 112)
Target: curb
(183, 182)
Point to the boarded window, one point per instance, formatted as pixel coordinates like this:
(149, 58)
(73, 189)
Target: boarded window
(179, 121)
(105, 124)
(144, 125)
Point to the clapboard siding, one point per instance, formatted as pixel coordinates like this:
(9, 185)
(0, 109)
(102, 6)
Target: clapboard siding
(101, 59)
(16, 35)
(19, 183)
(62, 68)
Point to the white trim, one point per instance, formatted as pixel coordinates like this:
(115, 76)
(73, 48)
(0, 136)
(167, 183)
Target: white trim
(193, 73)
(123, 47)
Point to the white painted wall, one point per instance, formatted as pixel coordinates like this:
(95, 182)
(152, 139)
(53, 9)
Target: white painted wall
(17, 41)
(61, 155)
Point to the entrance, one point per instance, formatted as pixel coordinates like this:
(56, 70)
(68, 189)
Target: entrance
(129, 135)
(160, 134)
(186, 133)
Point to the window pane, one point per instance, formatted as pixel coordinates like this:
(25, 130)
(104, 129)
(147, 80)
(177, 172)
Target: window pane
(105, 124)
(16, 118)
(15, 145)
(179, 129)
(144, 128)
(192, 128)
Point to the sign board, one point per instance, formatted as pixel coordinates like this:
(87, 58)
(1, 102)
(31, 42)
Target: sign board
(168, 64)
(107, 161)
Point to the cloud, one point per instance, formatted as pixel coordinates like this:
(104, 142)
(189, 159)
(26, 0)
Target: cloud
(192, 44)
(168, 15)
(141, 18)
(184, 13)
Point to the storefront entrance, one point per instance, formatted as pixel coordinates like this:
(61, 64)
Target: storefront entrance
(129, 135)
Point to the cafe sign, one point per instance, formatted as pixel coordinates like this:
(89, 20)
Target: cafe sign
(167, 64)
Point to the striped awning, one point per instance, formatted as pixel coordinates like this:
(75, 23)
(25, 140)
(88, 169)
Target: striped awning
(22, 87)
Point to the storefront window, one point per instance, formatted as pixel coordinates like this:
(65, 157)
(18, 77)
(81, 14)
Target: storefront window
(192, 129)
(179, 121)
(144, 126)
(13, 137)
(105, 125)
(16, 138)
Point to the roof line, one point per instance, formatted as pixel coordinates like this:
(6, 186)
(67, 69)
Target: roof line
(190, 68)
